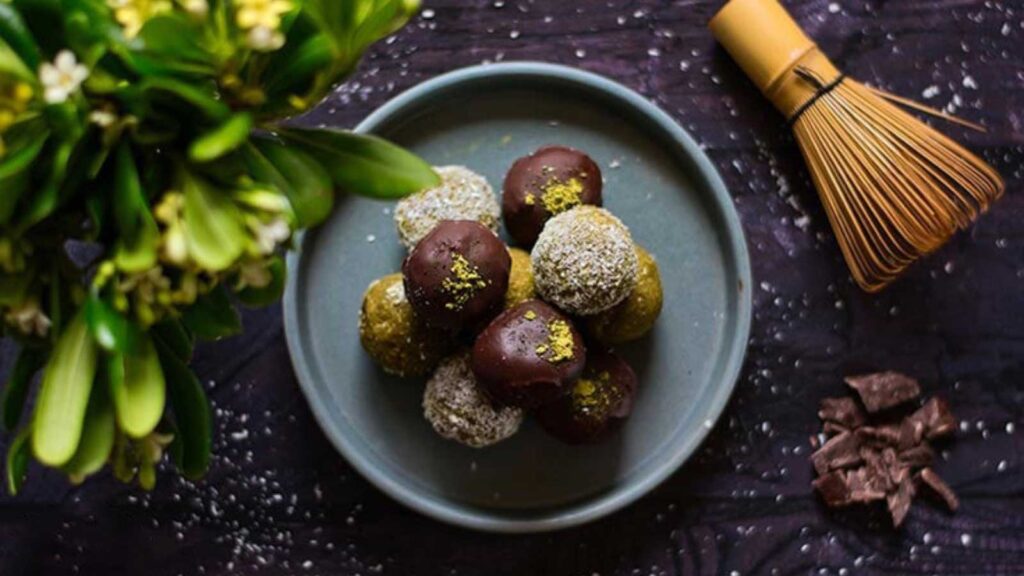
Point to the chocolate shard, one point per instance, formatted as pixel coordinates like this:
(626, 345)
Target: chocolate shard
(864, 486)
(929, 478)
(935, 418)
(840, 451)
(844, 412)
(885, 435)
(911, 433)
(918, 456)
(831, 429)
(833, 489)
(884, 390)
(899, 500)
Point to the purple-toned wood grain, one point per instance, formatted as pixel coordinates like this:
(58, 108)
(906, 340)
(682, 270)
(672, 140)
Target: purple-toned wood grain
(280, 501)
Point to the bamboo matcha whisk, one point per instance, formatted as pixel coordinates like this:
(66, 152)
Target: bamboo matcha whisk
(894, 188)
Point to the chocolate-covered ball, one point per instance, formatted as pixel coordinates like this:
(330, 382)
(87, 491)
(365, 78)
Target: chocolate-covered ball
(459, 410)
(529, 355)
(584, 261)
(546, 183)
(462, 195)
(600, 400)
(391, 334)
(520, 280)
(457, 276)
(636, 315)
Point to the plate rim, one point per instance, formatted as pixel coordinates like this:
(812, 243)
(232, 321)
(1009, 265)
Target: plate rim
(601, 505)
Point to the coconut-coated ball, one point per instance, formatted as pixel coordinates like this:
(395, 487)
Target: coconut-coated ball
(391, 334)
(462, 195)
(584, 261)
(459, 410)
(636, 315)
(520, 279)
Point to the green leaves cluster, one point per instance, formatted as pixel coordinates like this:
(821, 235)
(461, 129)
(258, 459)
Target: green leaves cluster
(146, 187)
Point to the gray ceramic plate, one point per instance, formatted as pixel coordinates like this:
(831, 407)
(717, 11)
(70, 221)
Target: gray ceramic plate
(657, 181)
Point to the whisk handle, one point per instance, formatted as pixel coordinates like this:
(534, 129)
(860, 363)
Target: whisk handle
(769, 45)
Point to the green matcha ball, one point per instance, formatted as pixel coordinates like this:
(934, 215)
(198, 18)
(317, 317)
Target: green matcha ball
(636, 315)
(391, 335)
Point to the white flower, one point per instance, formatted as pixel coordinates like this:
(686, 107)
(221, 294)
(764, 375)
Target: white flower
(175, 247)
(102, 118)
(196, 8)
(269, 235)
(62, 78)
(29, 318)
(264, 39)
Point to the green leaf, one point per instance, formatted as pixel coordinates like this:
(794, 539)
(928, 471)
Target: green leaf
(136, 249)
(214, 232)
(302, 179)
(172, 43)
(138, 389)
(17, 462)
(193, 437)
(212, 316)
(200, 97)
(110, 329)
(173, 334)
(364, 164)
(11, 64)
(15, 168)
(18, 37)
(46, 197)
(269, 294)
(98, 435)
(64, 395)
(295, 70)
(223, 139)
(29, 361)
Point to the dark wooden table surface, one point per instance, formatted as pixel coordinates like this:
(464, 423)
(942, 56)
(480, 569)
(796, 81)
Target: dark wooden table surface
(279, 500)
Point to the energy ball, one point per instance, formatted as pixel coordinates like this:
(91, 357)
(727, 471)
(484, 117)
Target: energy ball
(520, 280)
(636, 315)
(462, 195)
(599, 401)
(529, 355)
(584, 261)
(459, 410)
(546, 183)
(391, 335)
(457, 276)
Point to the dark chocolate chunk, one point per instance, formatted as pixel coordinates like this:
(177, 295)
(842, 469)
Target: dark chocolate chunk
(911, 433)
(872, 456)
(843, 411)
(546, 183)
(918, 456)
(831, 429)
(884, 390)
(457, 275)
(833, 488)
(529, 355)
(935, 417)
(929, 478)
(863, 486)
(885, 435)
(840, 451)
(899, 500)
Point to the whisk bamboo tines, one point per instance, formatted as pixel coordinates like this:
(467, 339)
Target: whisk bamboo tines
(894, 188)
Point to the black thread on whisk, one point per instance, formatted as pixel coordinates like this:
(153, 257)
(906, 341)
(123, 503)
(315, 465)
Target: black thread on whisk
(823, 89)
